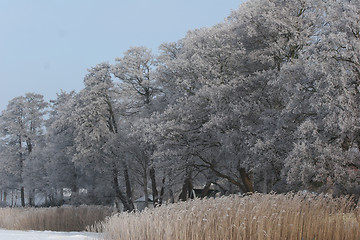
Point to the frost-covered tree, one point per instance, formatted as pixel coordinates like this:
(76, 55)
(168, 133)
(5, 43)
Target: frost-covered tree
(59, 150)
(227, 118)
(96, 122)
(324, 102)
(13, 131)
(22, 125)
(204, 57)
(36, 108)
(141, 95)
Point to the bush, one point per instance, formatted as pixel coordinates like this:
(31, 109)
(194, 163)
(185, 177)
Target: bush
(258, 216)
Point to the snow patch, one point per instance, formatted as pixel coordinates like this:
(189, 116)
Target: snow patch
(46, 235)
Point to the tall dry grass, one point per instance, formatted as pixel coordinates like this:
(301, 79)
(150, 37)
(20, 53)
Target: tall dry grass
(54, 219)
(290, 216)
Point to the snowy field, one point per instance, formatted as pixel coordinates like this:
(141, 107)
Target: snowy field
(37, 235)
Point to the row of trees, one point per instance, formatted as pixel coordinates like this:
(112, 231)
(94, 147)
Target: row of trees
(266, 101)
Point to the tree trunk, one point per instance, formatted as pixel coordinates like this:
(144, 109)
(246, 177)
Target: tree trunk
(247, 180)
(162, 191)
(153, 187)
(128, 189)
(146, 193)
(118, 192)
(172, 198)
(206, 189)
(74, 187)
(186, 189)
(22, 193)
(31, 199)
(12, 198)
(21, 163)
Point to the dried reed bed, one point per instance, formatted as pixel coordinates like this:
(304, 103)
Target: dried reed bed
(290, 216)
(54, 219)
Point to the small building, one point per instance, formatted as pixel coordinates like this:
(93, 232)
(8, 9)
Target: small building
(140, 203)
(200, 193)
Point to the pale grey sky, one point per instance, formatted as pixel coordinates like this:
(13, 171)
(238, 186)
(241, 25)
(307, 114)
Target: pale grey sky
(48, 45)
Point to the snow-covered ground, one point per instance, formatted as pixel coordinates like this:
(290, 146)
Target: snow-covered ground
(36, 235)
